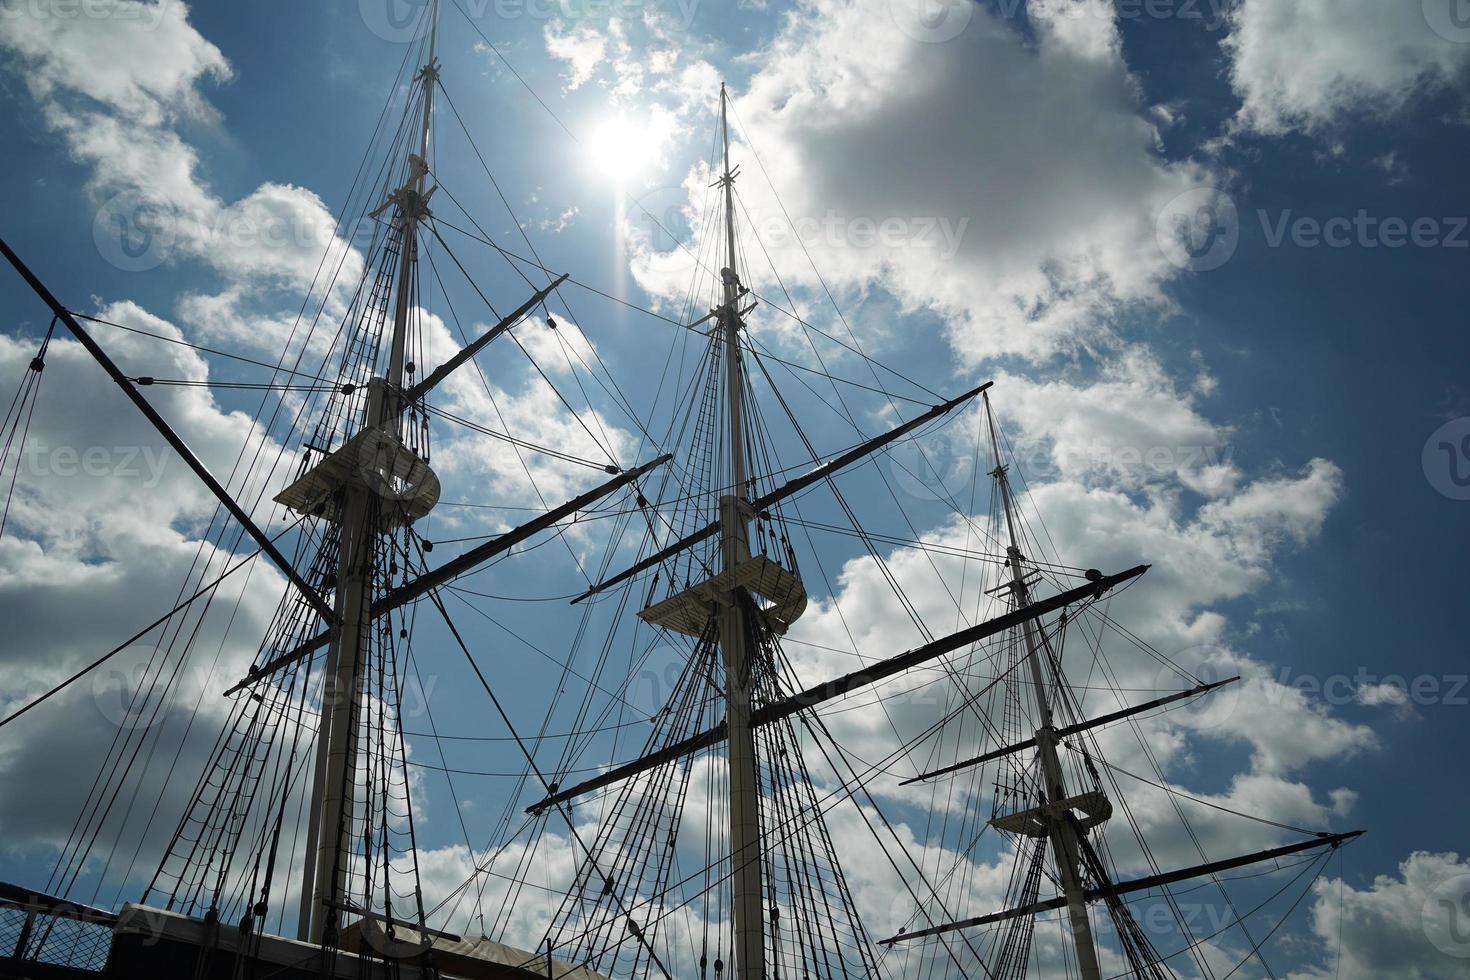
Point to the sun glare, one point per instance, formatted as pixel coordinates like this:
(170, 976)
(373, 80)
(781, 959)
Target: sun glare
(621, 148)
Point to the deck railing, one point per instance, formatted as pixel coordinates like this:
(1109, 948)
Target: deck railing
(46, 930)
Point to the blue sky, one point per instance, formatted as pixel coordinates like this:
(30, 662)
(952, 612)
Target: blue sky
(1295, 384)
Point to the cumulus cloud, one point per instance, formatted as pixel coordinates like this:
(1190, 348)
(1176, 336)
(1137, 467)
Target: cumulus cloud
(581, 49)
(1201, 557)
(108, 519)
(1049, 182)
(1310, 64)
(116, 89)
(141, 58)
(1026, 216)
(1406, 926)
(1130, 428)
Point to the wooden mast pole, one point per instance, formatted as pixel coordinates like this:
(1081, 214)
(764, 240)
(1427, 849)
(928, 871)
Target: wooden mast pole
(1065, 848)
(736, 625)
(329, 828)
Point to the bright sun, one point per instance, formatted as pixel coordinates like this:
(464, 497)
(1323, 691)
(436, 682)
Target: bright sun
(621, 148)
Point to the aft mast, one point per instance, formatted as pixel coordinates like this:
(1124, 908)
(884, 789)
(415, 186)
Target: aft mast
(1053, 815)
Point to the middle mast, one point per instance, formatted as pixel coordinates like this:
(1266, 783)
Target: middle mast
(361, 529)
(736, 623)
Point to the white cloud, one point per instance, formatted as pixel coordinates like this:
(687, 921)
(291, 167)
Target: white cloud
(1011, 184)
(119, 542)
(1379, 694)
(582, 49)
(115, 88)
(1130, 428)
(1309, 64)
(1055, 175)
(141, 59)
(1409, 926)
(108, 519)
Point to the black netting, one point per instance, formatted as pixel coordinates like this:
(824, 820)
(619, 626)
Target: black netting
(55, 939)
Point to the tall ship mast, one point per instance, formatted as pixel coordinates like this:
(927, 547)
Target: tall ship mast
(699, 837)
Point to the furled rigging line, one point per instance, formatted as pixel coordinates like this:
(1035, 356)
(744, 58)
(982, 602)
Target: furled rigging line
(275, 368)
(145, 381)
(522, 443)
(17, 424)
